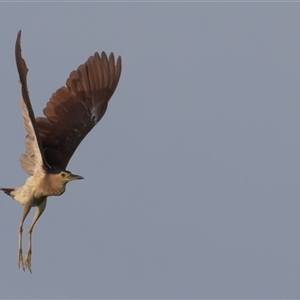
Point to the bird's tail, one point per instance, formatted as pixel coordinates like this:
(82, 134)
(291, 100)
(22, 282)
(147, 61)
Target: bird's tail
(7, 191)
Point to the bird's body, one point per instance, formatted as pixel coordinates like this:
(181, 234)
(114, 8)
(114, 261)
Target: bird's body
(39, 187)
(30, 190)
(71, 113)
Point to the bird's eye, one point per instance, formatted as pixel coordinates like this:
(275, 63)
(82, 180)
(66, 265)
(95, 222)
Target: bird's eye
(63, 174)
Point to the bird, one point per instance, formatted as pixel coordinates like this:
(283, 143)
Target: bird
(70, 114)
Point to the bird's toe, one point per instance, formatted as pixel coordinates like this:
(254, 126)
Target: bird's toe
(21, 262)
(28, 261)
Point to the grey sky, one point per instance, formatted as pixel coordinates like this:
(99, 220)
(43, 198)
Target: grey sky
(191, 183)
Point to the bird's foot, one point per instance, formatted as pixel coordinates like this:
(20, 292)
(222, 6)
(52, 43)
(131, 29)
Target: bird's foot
(28, 261)
(20, 261)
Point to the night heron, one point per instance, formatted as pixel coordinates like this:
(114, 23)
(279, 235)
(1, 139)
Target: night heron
(72, 111)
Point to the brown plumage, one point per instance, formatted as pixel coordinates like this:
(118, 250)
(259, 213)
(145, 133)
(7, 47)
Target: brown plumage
(7, 191)
(72, 111)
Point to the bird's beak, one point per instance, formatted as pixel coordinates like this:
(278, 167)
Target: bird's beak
(75, 177)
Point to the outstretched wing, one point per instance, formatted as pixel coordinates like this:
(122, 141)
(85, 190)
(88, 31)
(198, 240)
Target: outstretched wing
(74, 109)
(34, 159)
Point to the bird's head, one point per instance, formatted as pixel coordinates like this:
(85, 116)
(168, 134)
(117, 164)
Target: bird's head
(56, 182)
(67, 176)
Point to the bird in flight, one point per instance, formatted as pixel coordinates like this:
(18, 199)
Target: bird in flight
(70, 114)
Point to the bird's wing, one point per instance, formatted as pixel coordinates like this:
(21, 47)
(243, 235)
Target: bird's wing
(74, 109)
(34, 159)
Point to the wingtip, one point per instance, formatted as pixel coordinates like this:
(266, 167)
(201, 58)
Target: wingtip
(18, 42)
(19, 35)
(119, 60)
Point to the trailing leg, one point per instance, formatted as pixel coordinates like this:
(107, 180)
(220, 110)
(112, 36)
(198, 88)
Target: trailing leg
(39, 210)
(26, 210)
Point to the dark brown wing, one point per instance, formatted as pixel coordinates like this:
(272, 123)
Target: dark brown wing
(76, 108)
(34, 159)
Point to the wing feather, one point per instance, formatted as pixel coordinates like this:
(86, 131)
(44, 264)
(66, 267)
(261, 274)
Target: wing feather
(34, 159)
(74, 109)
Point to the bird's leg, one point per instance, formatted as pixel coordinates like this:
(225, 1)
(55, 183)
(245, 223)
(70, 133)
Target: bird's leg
(20, 256)
(39, 210)
(26, 210)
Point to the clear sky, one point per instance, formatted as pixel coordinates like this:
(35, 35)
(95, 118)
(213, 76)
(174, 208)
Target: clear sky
(191, 185)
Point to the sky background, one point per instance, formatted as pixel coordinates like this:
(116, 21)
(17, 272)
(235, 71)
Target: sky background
(191, 185)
